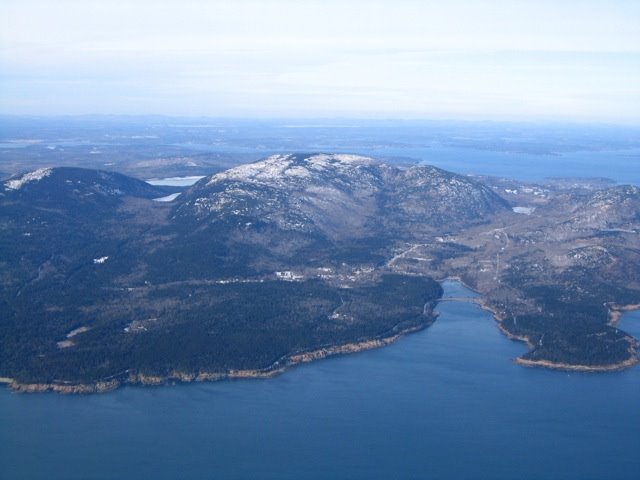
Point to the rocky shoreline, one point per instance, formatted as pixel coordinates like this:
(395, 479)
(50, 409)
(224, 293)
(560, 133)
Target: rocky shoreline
(614, 367)
(276, 368)
(615, 313)
(632, 360)
(282, 365)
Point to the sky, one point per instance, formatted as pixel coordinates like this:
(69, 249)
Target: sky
(576, 60)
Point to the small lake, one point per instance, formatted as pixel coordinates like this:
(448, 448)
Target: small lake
(444, 403)
(175, 181)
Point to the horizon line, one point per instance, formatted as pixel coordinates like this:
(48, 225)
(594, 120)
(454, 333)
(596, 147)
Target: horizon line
(324, 118)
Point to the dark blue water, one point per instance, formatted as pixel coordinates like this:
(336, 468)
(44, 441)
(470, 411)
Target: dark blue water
(445, 403)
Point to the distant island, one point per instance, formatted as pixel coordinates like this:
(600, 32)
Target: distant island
(297, 257)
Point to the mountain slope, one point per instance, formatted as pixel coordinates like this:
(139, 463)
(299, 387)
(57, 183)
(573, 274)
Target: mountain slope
(339, 196)
(55, 186)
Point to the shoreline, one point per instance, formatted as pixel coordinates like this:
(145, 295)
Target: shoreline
(633, 359)
(291, 360)
(278, 367)
(498, 317)
(615, 314)
(613, 367)
(617, 311)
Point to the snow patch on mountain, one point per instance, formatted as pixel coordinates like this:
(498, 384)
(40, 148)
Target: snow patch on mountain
(266, 170)
(280, 169)
(332, 160)
(35, 176)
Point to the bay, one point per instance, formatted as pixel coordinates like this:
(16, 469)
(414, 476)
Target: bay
(620, 165)
(445, 403)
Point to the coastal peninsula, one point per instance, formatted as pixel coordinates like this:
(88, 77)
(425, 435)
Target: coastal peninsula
(295, 258)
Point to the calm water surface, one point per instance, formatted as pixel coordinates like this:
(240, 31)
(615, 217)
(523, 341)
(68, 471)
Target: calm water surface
(618, 165)
(445, 403)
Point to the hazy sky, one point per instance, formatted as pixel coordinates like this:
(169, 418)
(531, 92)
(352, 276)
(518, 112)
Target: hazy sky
(509, 59)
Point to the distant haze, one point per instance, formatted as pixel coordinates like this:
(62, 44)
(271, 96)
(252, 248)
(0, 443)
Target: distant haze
(509, 60)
